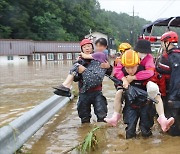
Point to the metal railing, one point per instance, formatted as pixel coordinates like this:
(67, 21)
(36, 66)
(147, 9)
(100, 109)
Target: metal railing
(17, 132)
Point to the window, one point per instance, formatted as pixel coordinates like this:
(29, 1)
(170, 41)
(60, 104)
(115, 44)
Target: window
(76, 55)
(50, 56)
(21, 57)
(36, 56)
(10, 57)
(60, 56)
(69, 55)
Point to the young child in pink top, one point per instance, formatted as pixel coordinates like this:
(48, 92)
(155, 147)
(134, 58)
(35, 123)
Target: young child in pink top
(143, 47)
(147, 61)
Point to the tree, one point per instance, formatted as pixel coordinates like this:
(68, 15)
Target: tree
(67, 20)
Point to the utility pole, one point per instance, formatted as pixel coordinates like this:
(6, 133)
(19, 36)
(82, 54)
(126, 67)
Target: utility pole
(132, 30)
(132, 34)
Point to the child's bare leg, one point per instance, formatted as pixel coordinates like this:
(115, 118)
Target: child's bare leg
(66, 85)
(153, 91)
(117, 108)
(68, 81)
(159, 106)
(163, 121)
(117, 101)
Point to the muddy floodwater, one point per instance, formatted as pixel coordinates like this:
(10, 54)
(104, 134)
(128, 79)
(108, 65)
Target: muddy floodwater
(24, 86)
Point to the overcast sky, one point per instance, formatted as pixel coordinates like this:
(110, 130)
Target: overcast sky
(148, 9)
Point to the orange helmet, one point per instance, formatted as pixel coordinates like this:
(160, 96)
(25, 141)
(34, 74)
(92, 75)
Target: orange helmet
(130, 58)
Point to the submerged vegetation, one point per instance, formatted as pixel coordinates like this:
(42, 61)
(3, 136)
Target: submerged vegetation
(90, 143)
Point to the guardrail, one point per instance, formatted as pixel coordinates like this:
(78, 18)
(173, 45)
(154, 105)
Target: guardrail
(17, 132)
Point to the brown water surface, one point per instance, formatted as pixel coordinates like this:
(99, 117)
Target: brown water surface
(24, 86)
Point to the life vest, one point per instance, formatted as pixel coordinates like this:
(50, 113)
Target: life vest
(168, 72)
(137, 83)
(139, 101)
(162, 81)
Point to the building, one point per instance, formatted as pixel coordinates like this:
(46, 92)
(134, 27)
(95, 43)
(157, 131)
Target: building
(15, 50)
(53, 50)
(96, 35)
(111, 44)
(12, 50)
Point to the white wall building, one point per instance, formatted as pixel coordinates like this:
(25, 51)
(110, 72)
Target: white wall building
(96, 35)
(13, 59)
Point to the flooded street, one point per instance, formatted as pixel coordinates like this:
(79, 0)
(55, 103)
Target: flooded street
(24, 86)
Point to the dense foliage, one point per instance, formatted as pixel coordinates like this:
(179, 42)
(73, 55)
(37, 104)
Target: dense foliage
(63, 20)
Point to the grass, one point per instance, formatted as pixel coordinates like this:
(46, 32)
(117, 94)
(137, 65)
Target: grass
(90, 143)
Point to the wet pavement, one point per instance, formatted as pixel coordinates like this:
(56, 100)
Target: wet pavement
(26, 85)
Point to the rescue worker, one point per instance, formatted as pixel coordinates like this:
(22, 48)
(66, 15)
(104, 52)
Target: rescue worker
(94, 95)
(167, 78)
(139, 108)
(122, 48)
(143, 47)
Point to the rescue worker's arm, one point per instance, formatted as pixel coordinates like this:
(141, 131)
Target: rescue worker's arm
(86, 56)
(149, 72)
(96, 56)
(163, 65)
(125, 83)
(109, 70)
(131, 78)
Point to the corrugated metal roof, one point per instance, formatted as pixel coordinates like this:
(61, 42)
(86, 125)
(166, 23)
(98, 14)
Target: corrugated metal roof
(15, 47)
(27, 47)
(57, 47)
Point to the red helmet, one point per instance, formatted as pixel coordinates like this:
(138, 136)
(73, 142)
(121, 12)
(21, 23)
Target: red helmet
(170, 36)
(85, 41)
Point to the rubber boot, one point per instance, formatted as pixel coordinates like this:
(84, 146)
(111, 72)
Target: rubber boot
(165, 123)
(113, 120)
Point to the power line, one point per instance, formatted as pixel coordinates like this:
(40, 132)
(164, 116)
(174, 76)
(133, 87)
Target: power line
(166, 8)
(162, 9)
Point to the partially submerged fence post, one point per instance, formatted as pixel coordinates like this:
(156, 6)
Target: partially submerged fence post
(17, 132)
